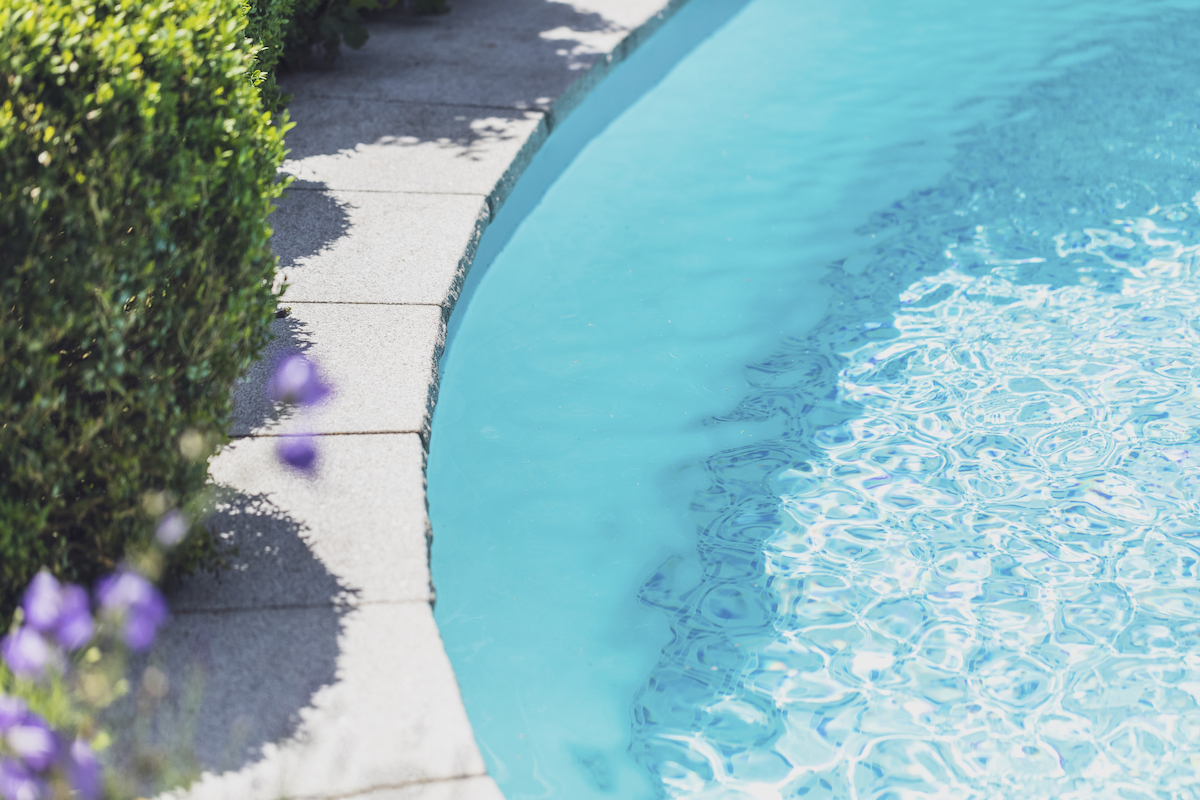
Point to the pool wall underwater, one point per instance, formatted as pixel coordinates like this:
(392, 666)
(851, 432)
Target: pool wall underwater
(645, 613)
(624, 29)
(605, 101)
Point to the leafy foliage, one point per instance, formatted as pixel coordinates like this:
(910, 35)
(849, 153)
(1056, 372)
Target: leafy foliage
(137, 171)
(324, 25)
(267, 26)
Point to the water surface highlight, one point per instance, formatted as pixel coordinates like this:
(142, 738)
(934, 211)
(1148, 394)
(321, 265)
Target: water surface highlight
(938, 538)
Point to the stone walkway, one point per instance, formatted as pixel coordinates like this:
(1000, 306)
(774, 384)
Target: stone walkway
(324, 674)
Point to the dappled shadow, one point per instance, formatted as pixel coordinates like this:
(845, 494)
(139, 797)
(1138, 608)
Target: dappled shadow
(340, 125)
(571, 38)
(457, 80)
(462, 94)
(306, 222)
(245, 650)
(518, 54)
(267, 561)
(253, 409)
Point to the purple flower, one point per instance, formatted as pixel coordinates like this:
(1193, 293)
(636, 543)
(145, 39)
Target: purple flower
(25, 652)
(18, 783)
(296, 381)
(75, 627)
(297, 451)
(62, 610)
(42, 602)
(13, 710)
(33, 742)
(172, 528)
(132, 599)
(83, 770)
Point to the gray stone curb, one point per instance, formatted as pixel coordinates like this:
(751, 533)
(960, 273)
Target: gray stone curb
(324, 673)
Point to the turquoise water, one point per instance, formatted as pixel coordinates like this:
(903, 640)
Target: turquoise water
(830, 427)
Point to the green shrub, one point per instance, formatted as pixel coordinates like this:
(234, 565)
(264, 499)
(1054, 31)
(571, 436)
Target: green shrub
(137, 170)
(267, 26)
(324, 25)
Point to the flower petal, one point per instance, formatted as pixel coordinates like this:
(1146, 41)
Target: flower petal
(25, 652)
(13, 710)
(75, 626)
(42, 602)
(18, 783)
(297, 451)
(172, 529)
(33, 742)
(83, 771)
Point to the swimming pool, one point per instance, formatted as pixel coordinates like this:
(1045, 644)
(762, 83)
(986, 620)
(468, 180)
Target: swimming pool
(829, 429)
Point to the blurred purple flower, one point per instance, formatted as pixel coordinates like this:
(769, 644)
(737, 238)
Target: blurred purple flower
(297, 451)
(25, 652)
(12, 711)
(42, 602)
(133, 600)
(18, 783)
(62, 610)
(296, 381)
(172, 528)
(75, 627)
(33, 742)
(83, 771)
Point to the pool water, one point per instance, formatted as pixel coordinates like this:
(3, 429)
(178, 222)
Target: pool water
(831, 427)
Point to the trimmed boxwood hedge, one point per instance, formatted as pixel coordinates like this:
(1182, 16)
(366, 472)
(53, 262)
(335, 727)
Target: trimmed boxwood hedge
(137, 171)
(268, 24)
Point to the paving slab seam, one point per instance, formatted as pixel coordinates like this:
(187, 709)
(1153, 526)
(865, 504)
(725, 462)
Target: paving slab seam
(364, 303)
(323, 189)
(293, 606)
(326, 634)
(400, 101)
(274, 435)
(405, 785)
(574, 94)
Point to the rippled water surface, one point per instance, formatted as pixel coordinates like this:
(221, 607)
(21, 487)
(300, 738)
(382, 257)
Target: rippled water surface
(830, 430)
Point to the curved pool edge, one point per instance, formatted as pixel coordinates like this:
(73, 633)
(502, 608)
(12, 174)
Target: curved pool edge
(328, 649)
(563, 133)
(527, 413)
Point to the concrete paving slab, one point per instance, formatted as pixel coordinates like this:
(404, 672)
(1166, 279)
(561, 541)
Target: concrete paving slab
(391, 716)
(381, 361)
(326, 676)
(363, 145)
(518, 54)
(482, 788)
(538, 14)
(357, 532)
(526, 15)
(374, 247)
(458, 59)
(236, 682)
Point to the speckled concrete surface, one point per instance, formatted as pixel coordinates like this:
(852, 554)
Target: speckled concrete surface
(324, 672)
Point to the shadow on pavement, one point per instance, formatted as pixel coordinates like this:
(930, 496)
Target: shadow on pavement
(246, 650)
(307, 220)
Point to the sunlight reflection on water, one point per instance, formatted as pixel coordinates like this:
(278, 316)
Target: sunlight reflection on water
(968, 568)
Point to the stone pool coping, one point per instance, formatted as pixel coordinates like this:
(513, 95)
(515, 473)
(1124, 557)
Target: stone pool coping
(325, 675)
